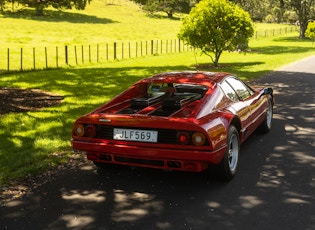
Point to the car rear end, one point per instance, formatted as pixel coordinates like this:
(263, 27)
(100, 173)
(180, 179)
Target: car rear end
(154, 124)
(136, 140)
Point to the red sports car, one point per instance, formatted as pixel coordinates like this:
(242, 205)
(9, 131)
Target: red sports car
(186, 121)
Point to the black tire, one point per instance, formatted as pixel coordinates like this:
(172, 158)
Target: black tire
(266, 125)
(229, 164)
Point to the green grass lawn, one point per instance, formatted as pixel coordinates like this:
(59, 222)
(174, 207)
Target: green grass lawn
(31, 141)
(99, 25)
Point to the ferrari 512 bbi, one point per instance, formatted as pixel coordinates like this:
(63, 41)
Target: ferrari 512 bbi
(187, 121)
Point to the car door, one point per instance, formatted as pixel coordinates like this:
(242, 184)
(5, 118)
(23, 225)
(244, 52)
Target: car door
(252, 100)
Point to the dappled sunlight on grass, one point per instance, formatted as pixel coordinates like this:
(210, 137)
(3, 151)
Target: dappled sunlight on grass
(27, 140)
(48, 144)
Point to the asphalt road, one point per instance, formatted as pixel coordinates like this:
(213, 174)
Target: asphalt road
(274, 188)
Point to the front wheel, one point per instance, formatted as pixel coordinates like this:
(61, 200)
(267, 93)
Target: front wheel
(265, 127)
(229, 164)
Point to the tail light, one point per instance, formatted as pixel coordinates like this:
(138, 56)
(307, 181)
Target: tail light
(90, 131)
(198, 139)
(186, 138)
(78, 130)
(183, 138)
(81, 130)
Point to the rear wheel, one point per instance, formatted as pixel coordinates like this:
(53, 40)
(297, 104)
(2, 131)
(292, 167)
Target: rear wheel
(229, 164)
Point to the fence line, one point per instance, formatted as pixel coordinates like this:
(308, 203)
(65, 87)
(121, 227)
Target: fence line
(37, 58)
(275, 32)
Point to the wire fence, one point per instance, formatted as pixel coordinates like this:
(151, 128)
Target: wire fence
(35, 58)
(275, 32)
(38, 58)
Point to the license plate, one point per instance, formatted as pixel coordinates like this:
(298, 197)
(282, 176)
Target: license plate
(135, 135)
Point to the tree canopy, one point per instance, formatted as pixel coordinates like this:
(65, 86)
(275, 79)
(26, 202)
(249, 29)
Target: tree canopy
(40, 5)
(270, 11)
(214, 26)
(279, 11)
(167, 6)
(304, 10)
(310, 31)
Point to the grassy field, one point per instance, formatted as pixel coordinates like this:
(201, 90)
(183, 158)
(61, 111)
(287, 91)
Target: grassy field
(31, 141)
(97, 27)
(99, 23)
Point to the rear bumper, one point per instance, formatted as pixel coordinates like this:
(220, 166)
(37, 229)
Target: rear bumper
(163, 158)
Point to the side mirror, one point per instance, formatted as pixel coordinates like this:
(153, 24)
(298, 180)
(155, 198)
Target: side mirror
(267, 91)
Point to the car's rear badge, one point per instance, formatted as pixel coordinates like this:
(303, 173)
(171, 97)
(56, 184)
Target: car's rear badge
(105, 120)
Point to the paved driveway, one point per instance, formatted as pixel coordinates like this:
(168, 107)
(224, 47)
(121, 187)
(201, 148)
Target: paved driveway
(274, 189)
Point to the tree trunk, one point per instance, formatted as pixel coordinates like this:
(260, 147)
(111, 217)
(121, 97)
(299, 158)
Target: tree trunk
(170, 14)
(303, 27)
(39, 10)
(217, 57)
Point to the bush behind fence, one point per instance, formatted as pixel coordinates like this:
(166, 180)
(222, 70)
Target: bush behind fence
(35, 58)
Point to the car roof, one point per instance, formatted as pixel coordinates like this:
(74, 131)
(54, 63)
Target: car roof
(198, 77)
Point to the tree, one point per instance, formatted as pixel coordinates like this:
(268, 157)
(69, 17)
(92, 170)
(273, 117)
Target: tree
(290, 16)
(303, 8)
(310, 31)
(40, 5)
(167, 6)
(2, 2)
(256, 8)
(215, 26)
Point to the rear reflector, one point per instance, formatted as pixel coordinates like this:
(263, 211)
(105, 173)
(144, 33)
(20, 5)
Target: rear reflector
(191, 166)
(183, 138)
(90, 131)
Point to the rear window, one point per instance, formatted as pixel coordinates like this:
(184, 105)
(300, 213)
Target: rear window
(159, 89)
(163, 99)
